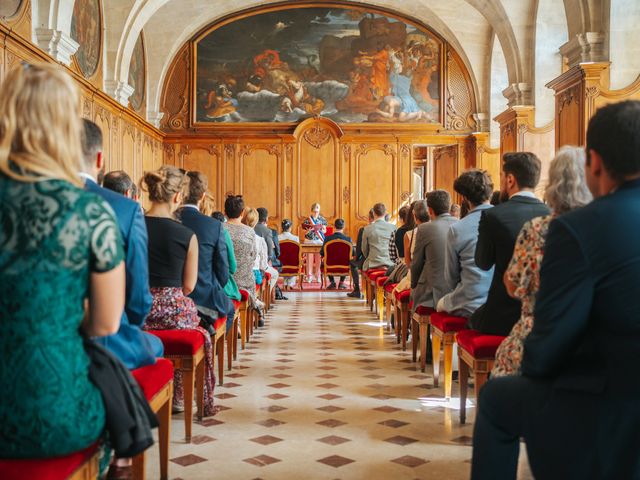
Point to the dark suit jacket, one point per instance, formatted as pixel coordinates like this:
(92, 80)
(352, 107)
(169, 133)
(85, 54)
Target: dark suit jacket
(213, 261)
(334, 236)
(131, 345)
(358, 255)
(586, 334)
(275, 261)
(499, 227)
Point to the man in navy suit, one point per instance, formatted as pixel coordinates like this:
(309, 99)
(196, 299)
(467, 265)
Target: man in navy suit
(497, 233)
(213, 262)
(134, 347)
(337, 235)
(577, 401)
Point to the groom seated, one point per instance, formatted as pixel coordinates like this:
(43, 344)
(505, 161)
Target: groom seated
(337, 235)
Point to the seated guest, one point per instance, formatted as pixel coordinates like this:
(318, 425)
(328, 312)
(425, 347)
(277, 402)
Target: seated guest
(262, 230)
(566, 191)
(231, 289)
(288, 282)
(244, 246)
(357, 261)
(468, 285)
(409, 245)
(455, 210)
(375, 240)
(213, 269)
(61, 249)
(497, 232)
(396, 242)
(118, 181)
(337, 235)
(134, 347)
(208, 205)
(576, 403)
(427, 263)
(173, 272)
(262, 260)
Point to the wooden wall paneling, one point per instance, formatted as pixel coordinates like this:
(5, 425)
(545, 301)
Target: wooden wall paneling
(205, 158)
(20, 22)
(290, 160)
(375, 179)
(102, 118)
(148, 156)
(488, 158)
(260, 168)
(540, 141)
(445, 167)
(317, 173)
(128, 152)
(229, 169)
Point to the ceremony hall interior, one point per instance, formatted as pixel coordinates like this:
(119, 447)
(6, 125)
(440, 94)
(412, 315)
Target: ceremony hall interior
(328, 239)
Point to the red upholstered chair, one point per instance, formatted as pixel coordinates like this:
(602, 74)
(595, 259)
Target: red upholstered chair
(370, 284)
(291, 259)
(402, 308)
(420, 334)
(156, 382)
(185, 349)
(337, 255)
(82, 465)
(443, 331)
(380, 295)
(476, 351)
(388, 301)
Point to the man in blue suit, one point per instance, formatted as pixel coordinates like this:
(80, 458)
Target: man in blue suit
(213, 262)
(134, 347)
(577, 401)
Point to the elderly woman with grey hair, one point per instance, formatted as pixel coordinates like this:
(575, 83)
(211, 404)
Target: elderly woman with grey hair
(566, 191)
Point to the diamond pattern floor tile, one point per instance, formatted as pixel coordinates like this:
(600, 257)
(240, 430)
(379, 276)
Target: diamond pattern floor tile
(336, 461)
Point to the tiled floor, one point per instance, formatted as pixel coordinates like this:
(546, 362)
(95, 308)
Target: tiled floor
(323, 392)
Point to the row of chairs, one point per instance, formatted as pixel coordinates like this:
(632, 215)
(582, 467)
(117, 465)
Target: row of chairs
(476, 351)
(184, 351)
(337, 255)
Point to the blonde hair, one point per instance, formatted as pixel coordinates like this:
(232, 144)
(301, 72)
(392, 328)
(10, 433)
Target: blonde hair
(567, 188)
(314, 206)
(250, 217)
(40, 128)
(164, 183)
(208, 204)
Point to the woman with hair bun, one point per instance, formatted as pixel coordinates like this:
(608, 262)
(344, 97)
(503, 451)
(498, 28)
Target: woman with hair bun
(173, 271)
(288, 282)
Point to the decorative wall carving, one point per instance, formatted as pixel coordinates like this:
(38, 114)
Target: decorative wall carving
(567, 97)
(317, 136)
(288, 194)
(175, 94)
(346, 195)
(460, 102)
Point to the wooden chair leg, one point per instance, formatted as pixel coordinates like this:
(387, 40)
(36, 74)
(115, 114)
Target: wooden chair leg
(139, 468)
(229, 337)
(388, 313)
(380, 296)
(424, 338)
(188, 379)
(463, 377)
(479, 379)
(405, 326)
(435, 340)
(414, 339)
(235, 338)
(200, 388)
(243, 326)
(396, 316)
(164, 433)
(220, 352)
(448, 366)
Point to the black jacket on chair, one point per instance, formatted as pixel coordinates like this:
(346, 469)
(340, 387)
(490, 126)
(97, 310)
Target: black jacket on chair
(499, 227)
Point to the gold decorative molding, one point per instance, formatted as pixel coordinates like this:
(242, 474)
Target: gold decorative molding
(317, 136)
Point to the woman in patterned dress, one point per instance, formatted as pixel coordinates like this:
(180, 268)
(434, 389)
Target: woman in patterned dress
(566, 191)
(244, 246)
(173, 272)
(60, 248)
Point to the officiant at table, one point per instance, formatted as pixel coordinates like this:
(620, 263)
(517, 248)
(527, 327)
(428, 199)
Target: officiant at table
(315, 226)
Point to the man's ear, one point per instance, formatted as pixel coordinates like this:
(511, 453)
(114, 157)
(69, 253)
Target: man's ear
(99, 161)
(594, 163)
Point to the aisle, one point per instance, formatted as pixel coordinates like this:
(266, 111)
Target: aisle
(322, 392)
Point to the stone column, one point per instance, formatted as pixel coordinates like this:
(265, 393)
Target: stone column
(57, 44)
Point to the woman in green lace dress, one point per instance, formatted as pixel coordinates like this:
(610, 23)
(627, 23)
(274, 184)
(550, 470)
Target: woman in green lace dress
(60, 269)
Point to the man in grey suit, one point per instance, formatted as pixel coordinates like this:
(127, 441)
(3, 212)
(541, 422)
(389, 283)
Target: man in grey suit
(375, 240)
(468, 284)
(262, 230)
(427, 262)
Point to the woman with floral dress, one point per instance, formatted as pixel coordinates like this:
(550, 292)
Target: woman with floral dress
(566, 191)
(173, 272)
(315, 226)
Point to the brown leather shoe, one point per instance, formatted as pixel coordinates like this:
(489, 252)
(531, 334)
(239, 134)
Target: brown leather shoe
(117, 472)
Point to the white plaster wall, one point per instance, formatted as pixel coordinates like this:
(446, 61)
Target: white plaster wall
(624, 42)
(499, 81)
(550, 33)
